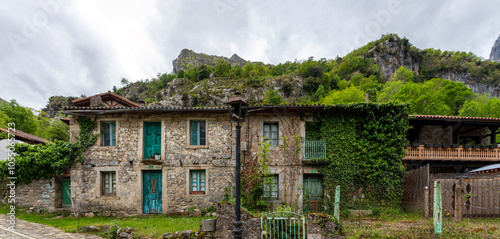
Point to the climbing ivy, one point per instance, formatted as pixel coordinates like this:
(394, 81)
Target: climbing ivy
(365, 146)
(39, 161)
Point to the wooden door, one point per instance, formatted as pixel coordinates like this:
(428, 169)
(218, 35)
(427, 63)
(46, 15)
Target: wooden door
(313, 192)
(151, 187)
(66, 192)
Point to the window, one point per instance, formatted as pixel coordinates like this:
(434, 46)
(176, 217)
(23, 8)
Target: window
(271, 133)
(271, 187)
(108, 183)
(108, 132)
(197, 134)
(197, 182)
(152, 139)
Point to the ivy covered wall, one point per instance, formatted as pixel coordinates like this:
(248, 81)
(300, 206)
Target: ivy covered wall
(365, 146)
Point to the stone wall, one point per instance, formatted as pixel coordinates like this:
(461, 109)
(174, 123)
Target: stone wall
(39, 194)
(284, 162)
(431, 134)
(177, 159)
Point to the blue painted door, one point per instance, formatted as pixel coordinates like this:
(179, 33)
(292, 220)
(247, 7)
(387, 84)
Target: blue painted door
(151, 187)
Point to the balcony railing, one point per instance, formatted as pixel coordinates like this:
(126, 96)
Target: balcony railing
(314, 149)
(452, 154)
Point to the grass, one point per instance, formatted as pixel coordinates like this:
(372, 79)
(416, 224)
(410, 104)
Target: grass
(150, 226)
(397, 223)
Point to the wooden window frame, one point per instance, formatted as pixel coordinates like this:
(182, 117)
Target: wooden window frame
(111, 139)
(112, 185)
(198, 182)
(274, 182)
(274, 142)
(188, 133)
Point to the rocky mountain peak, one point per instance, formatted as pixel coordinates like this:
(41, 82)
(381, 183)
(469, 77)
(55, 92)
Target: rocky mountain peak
(193, 59)
(495, 51)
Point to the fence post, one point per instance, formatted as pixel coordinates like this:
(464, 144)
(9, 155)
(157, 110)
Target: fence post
(426, 202)
(438, 208)
(458, 202)
(336, 209)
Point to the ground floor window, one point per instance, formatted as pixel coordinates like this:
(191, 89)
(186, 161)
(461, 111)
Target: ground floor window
(271, 186)
(108, 183)
(197, 182)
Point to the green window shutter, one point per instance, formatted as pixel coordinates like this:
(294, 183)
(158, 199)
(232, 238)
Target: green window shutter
(157, 141)
(202, 132)
(194, 127)
(113, 133)
(152, 138)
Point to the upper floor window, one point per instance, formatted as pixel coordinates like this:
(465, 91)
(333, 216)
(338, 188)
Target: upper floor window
(152, 139)
(271, 133)
(108, 133)
(197, 134)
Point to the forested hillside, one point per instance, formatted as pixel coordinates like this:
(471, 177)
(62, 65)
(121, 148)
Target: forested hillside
(388, 69)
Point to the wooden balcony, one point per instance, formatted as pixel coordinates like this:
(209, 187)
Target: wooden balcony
(452, 154)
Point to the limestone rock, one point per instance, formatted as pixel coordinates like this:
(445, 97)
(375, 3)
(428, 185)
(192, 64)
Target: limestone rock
(495, 51)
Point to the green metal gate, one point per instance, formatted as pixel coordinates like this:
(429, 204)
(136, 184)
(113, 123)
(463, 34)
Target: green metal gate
(281, 224)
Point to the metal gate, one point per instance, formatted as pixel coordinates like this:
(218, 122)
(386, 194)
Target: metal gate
(280, 224)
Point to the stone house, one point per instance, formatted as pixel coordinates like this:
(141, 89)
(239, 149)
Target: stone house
(172, 159)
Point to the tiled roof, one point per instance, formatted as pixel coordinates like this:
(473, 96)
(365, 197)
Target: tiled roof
(442, 117)
(104, 96)
(25, 136)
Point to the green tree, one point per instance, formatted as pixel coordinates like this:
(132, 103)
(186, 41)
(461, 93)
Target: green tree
(222, 68)
(320, 93)
(23, 117)
(349, 95)
(403, 74)
(247, 69)
(481, 106)
(271, 97)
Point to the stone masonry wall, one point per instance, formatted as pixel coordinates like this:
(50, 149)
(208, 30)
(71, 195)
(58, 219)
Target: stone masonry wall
(431, 134)
(285, 163)
(177, 159)
(39, 194)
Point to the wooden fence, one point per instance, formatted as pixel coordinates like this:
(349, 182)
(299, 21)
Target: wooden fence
(470, 195)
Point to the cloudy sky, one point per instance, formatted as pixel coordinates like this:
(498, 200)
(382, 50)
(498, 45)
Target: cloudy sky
(70, 48)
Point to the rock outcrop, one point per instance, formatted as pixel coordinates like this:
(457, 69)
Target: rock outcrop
(189, 57)
(495, 51)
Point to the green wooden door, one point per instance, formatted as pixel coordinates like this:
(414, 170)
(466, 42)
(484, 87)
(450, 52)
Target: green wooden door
(152, 138)
(66, 192)
(313, 192)
(151, 187)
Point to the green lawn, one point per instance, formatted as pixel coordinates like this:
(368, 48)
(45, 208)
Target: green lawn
(152, 226)
(396, 223)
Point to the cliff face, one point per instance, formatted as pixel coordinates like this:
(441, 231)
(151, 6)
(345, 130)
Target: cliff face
(495, 51)
(391, 55)
(189, 57)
